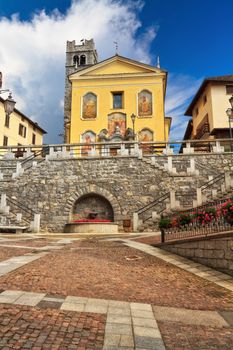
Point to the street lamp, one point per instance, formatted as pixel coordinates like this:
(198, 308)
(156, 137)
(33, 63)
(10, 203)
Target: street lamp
(229, 113)
(9, 105)
(133, 118)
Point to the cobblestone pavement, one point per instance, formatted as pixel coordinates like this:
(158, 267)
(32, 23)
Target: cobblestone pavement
(6, 252)
(153, 239)
(24, 327)
(27, 243)
(179, 336)
(144, 301)
(110, 270)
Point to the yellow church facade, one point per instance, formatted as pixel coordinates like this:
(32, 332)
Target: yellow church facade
(104, 96)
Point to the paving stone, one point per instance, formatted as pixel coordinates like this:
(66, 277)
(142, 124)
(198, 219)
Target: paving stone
(146, 322)
(118, 319)
(149, 343)
(112, 339)
(195, 317)
(127, 341)
(55, 300)
(77, 300)
(147, 332)
(141, 313)
(115, 328)
(140, 306)
(120, 304)
(9, 296)
(226, 284)
(228, 316)
(119, 311)
(102, 302)
(43, 304)
(73, 307)
(30, 299)
(113, 347)
(100, 309)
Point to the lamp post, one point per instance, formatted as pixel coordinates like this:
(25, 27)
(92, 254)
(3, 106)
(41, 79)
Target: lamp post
(229, 113)
(9, 105)
(133, 118)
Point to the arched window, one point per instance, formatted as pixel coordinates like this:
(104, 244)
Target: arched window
(76, 61)
(145, 103)
(89, 107)
(82, 60)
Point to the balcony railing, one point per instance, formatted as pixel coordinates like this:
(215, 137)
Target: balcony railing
(116, 149)
(204, 129)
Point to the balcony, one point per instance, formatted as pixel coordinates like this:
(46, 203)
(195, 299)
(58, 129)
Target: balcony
(202, 131)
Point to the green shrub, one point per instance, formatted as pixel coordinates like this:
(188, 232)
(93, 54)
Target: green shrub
(164, 223)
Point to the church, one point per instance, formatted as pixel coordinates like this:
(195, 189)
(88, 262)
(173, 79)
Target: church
(112, 100)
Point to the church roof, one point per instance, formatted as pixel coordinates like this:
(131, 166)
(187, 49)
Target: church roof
(121, 58)
(222, 79)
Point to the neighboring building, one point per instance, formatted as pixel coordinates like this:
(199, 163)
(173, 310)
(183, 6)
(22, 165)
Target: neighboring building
(101, 97)
(208, 109)
(18, 129)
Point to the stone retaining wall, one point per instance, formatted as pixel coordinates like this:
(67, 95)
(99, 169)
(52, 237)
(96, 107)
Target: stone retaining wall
(213, 252)
(128, 183)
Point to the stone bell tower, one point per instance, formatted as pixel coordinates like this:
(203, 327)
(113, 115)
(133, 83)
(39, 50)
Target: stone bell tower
(77, 58)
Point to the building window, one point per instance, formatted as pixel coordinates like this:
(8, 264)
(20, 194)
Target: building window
(82, 60)
(229, 89)
(5, 140)
(7, 120)
(76, 61)
(204, 99)
(33, 139)
(22, 130)
(117, 100)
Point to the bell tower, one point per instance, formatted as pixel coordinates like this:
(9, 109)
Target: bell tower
(77, 58)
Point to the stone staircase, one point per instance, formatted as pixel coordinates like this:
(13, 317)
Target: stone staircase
(16, 217)
(194, 184)
(14, 167)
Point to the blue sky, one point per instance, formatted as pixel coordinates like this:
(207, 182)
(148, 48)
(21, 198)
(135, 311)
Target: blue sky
(192, 37)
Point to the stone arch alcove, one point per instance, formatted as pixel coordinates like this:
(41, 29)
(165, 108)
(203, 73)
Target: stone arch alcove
(93, 203)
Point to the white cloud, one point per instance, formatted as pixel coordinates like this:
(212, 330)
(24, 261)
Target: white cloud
(32, 54)
(32, 57)
(181, 89)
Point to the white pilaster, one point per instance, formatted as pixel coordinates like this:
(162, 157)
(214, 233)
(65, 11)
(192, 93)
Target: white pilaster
(135, 222)
(217, 148)
(174, 204)
(35, 224)
(191, 170)
(188, 149)
(169, 166)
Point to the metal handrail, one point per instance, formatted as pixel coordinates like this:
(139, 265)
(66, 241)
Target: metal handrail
(213, 181)
(34, 155)
(152, 204)
(21, 206)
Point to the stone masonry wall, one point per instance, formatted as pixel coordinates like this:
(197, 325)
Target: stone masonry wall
(53, 187)
(128, 183)
(213, 252)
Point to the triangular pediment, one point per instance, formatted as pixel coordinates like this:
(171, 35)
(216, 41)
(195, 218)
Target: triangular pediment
(116, 65)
